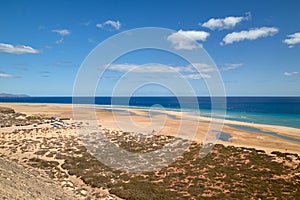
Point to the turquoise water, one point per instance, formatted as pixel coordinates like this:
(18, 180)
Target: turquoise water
(282, 111)
(290, 120)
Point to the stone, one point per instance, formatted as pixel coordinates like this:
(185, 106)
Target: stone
(83, 192)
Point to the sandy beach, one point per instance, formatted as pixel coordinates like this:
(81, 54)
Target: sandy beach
(40, 145)
(174, 123)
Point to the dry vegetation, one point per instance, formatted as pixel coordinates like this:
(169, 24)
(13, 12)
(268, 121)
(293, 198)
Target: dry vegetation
(226, 173)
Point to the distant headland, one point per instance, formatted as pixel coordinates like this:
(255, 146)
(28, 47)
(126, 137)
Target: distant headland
(13, 95)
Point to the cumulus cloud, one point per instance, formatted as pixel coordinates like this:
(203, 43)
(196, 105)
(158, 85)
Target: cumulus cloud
(292, 39)
(290, 73)
(5, 75)
(231, 66)
(251, 34)
(224, 23)
(187, 39)
(116, 25)
(19, 49)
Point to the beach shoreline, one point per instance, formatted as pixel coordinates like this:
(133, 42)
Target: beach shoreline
(46, 139)
(240, 138)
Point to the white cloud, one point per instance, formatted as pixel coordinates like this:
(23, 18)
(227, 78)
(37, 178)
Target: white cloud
(292, 39)
(4, 75)
(197, 76)
(149, 68)
(224, 23)
(19, 49)
(153, 68)
(202, 67)
(62, 32)
(187, 39)
(110, 23)
(232, 66)
(290, 73)
(251, 34)
(202, 70)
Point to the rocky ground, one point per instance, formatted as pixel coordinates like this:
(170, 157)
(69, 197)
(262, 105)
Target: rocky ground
(49, 162)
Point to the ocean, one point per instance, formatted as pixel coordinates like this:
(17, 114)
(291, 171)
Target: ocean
(283, 111)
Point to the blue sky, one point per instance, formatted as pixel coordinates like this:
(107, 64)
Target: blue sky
(254, 44)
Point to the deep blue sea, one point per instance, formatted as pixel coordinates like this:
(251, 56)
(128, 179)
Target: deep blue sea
(284, 111)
